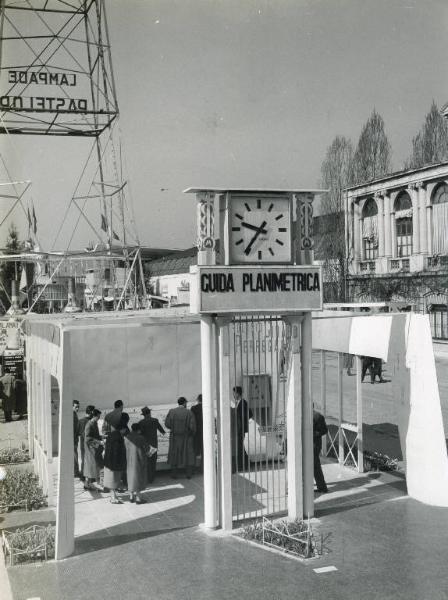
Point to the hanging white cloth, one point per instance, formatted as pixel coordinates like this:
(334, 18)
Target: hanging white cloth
(370, 228)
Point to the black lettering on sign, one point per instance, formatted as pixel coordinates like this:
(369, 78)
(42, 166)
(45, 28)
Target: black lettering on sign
(217, 282)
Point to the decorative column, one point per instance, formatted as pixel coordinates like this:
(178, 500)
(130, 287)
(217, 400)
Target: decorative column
(206, 228)
(380, 204)
(421, 187)
(356, 230)
(393, 231)
(304, 233)
(413, 192)
(387, 225)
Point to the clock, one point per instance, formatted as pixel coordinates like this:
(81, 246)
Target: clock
(260, 229)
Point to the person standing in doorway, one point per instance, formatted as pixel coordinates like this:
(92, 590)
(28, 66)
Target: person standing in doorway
(181, 423)
(148, 427)
(198, 436)
(76, 436)
(319, 430)
(8, 395)
(240, 426)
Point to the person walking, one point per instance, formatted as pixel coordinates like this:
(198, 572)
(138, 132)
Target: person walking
(137, 463)
(149, 426)
(198, 436)
(82, 422)
(8, 395)
(93, 452)
(367, 363)
(181, 423)
(239, 427)
(319, 430)
(76, 436)
(115, 456)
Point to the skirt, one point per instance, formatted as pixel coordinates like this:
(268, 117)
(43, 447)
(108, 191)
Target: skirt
(112, 479)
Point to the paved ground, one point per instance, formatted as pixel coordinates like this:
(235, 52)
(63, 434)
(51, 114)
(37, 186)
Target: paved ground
(382, 544)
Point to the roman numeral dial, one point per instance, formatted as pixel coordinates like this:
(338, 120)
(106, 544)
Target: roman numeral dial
(260, 229)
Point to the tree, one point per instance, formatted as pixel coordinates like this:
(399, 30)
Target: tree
(430, 145)
(337, 174)
(9, 270)
(372, 158)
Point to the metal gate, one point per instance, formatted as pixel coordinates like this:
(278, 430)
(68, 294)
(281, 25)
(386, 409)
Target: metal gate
(259, 362)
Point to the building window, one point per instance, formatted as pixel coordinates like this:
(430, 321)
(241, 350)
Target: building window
(403, 224)
(370, 229)
(404, 236)
(439, 215)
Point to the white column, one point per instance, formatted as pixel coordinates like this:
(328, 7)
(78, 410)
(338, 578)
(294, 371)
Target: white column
(359, 414)
(208, 416)
(225, 446)
(380, 204)
(323, 393)
(340, 408)
(393, 236)
(387, 227)
(294, 428)
(423, 221)
(356, 231)
(429, 228)
(412, 190)
(307, 417)
(65, 508)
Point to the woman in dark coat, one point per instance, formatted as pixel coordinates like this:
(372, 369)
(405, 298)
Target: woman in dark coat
(92, 451)
(137, 465)
(115, 457)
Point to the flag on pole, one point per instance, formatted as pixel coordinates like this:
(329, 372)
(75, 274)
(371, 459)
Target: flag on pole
(115, 235)
(29, 219)
(103, 223)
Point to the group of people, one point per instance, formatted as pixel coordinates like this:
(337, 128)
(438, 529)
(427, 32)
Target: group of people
(12, 395)
(128, 455)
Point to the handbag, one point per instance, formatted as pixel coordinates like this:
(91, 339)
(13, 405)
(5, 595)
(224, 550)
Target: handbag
(150, 451)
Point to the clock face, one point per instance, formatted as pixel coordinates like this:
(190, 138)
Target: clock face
(260, 229)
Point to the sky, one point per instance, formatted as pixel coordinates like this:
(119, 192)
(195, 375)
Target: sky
(244, 93)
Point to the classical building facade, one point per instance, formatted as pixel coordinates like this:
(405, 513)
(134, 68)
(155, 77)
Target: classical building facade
(397, 241)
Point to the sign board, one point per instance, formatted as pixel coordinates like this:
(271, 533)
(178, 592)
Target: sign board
(12, 361)
(271, 289)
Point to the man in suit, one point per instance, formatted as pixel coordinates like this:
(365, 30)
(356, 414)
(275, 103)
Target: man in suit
(198, 437)
(240, 426)
(182, 425)
(149, 426)
(319, 430)
(8, 395)
(76, 435)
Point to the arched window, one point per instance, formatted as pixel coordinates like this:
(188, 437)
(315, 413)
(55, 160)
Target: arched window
(403, 224)
(370, 229)
(440, 194)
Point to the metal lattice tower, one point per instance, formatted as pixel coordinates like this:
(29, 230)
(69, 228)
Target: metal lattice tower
(56, 73)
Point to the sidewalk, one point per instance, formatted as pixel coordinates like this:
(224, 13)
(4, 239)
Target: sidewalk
(381, 544)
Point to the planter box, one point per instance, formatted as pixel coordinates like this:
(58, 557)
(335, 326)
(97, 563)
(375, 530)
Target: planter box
(39, 542)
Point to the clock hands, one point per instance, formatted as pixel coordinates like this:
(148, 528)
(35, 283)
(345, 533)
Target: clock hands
(257, 230)
(253, 227)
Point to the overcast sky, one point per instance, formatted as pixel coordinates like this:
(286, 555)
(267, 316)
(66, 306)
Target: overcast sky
(246, 93)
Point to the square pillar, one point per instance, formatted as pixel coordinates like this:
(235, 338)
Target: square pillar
(225, 446)
(307, 417)
(294, 426)
(65, 508)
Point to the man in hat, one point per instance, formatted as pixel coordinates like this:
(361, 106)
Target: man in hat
(149, 426)
(182, 425)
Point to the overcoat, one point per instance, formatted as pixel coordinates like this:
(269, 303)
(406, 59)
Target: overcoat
(92, 442)
(136, 460)
(8, 392)
(182, 425)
